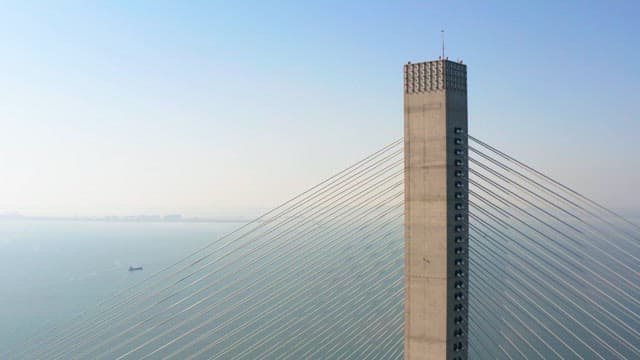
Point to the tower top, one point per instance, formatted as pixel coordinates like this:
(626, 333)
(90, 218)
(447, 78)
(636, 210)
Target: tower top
(435, 75)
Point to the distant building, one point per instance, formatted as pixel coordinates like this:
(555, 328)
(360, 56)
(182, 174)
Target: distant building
(173, 217)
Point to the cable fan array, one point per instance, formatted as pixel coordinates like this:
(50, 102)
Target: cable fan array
(552, 275)
(320, 276)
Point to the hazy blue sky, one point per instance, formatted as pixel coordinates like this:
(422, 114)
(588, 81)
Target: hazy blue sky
(202, 107)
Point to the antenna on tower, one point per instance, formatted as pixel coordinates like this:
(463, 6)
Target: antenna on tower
(442, 34)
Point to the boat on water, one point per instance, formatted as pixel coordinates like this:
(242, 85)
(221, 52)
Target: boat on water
(135, 268)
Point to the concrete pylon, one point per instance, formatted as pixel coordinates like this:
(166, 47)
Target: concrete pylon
(436, 210)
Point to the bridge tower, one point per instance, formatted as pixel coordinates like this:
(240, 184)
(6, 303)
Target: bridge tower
(436, 210)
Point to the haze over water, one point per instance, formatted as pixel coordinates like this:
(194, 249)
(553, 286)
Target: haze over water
(53, 270)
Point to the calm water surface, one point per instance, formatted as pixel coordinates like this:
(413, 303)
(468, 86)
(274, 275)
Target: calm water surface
(53, 270)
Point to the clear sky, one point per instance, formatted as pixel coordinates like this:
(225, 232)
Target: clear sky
(210, 107)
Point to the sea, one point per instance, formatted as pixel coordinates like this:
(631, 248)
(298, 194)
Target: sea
(51, 271)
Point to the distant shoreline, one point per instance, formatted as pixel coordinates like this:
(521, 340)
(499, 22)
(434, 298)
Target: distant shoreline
(634, 218)
(127, 219)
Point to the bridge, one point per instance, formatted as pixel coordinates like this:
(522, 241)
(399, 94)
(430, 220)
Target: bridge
(418, 251)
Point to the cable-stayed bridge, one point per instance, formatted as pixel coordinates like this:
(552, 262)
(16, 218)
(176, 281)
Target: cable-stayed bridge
(552, 275)
(437, 246)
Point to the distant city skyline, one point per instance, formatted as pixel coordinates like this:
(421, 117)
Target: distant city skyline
(208, 108)
(126, 218)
